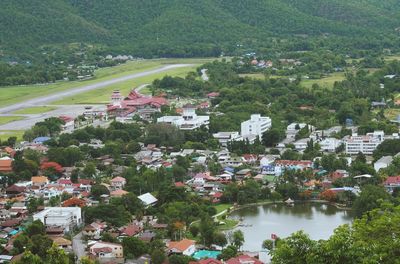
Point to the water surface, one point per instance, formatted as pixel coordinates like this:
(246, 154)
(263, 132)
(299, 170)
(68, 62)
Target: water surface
(316, 219)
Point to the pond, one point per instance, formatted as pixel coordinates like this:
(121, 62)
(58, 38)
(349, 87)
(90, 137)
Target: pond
(318, 220)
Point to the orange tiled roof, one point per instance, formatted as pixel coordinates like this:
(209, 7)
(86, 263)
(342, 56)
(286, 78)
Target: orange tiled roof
(39, 179)
(181, 245)
(6, 165)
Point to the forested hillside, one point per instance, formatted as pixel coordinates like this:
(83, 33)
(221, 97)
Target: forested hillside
(188, 27)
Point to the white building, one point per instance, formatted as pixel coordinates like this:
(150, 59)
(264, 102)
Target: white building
(301, 144)
(189, 120)
(225, 137)
(256, 125)
(293, 129)
(148, 199)
(330, 144)
(66, 217)
(364, 144)
(383, 162)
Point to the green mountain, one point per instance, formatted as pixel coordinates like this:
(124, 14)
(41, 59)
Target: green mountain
(193, 27)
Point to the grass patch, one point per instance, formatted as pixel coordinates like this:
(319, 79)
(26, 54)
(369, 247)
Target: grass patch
(35, 110)
(4, 135)
(229, 224)
(326, 82)
(13, 94)
(222, 207)
(392, 58)
(102, 95)
(392, 113)
(8, 119)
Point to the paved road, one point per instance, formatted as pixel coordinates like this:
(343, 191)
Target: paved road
(32, 119)
(78, 246)
(47, 99)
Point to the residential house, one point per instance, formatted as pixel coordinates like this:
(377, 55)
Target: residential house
(225, 137)
(330, 144)
(131, 230)
(243, 174)
(250, 158)
(185, 247)
(118, 182)
(62, 243)
(39, 181)
(41, 140)
(69, 123)
(148, 199)
(6, 165)
(118, 193)
(301, 144)
(383, 162)
(106, 250)
(243, 259)
(338, 174)
(392, 183)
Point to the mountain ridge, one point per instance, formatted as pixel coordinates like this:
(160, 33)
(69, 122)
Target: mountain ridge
(152, 26)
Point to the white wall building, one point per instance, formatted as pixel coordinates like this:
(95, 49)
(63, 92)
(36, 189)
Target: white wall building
(107, 250)
(225, 137)
(383, 162)
(189, 120)
(364, 144)
(256, 125)
(66, 217)
(301, 144)
(330, 144)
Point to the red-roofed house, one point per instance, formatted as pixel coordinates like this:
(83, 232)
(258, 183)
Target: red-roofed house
(213, 95)
(6, 165)
(185, 247)
(392, 182)
(118, 193)
(65, 182)
(131, 230)
(250, 158)
(69, 122)
(118, 182)
(206, 261)
(106, 250)
(243, 259)
(179, 184)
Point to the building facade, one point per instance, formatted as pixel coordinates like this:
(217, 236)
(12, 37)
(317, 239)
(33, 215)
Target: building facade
(256, 125)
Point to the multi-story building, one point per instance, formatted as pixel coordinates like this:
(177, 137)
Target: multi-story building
(256, 126)
(364, 144)
(65, 217)
(189, 120)
(225, 137)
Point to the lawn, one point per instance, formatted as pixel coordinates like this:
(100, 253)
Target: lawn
(13, 94)
(222, 207)
(392, 113)
(4, 135)
(35, 110)
(392, 57)
(102, 95)
(8, 119)
(326, 82)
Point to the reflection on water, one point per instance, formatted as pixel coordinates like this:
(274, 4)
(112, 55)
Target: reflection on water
(317, 219)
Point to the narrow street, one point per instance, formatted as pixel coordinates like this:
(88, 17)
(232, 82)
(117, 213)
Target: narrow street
(78, 246)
